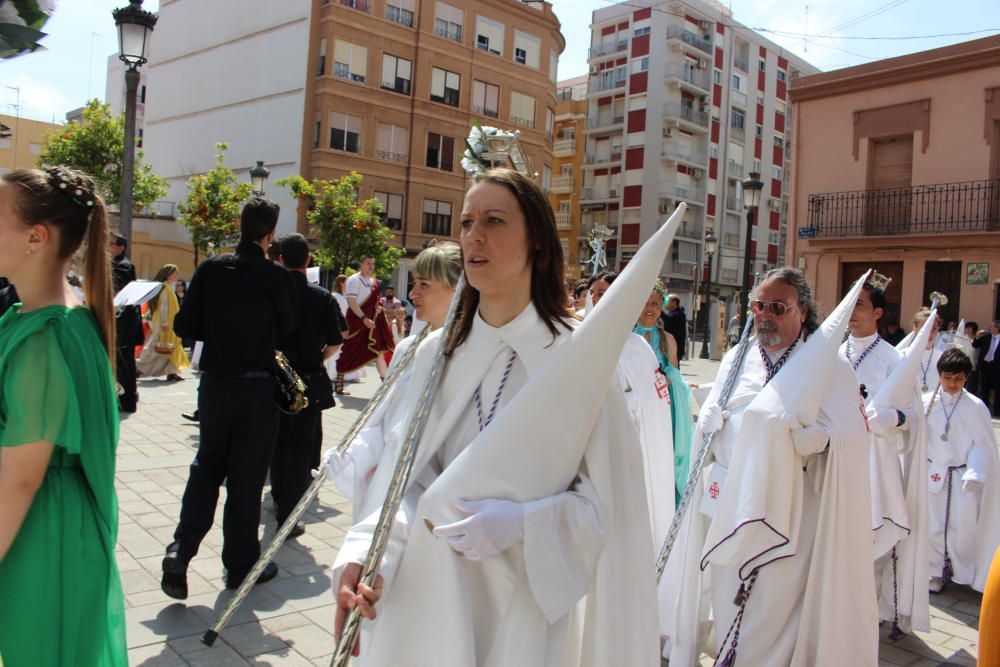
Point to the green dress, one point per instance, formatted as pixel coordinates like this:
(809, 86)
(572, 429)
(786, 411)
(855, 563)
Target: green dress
(61, 601)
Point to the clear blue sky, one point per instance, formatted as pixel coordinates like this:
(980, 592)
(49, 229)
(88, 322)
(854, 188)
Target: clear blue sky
(82, 35)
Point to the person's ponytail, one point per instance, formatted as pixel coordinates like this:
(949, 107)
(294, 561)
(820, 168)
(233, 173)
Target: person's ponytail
(97, 276)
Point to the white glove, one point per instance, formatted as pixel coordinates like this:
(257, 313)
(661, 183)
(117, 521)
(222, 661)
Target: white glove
(493, 527)
(882, 422)
(809, 440)
(971, 485)
(333, 463)
(712, 418)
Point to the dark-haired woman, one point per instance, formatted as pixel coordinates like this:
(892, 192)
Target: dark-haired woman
(60, 596)
(560, 580)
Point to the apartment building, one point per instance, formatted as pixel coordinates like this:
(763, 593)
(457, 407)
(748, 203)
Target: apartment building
(897, 167)
(683, 103)
(394, 84)
(21, 141)
(567, 168)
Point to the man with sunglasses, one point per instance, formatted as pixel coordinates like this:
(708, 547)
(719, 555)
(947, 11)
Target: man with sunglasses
(772, 533)
(873, 360)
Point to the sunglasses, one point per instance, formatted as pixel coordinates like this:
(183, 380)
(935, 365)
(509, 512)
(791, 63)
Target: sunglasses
(777, 308)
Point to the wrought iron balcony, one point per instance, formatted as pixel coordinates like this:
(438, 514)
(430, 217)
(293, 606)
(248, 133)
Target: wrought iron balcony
(973, 206)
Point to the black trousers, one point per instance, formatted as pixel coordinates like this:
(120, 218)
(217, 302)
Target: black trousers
(125, 372)
(239, 426)
(300, 437)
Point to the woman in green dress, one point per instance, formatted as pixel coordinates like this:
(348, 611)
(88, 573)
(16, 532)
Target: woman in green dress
(60, 595)
(651, 328)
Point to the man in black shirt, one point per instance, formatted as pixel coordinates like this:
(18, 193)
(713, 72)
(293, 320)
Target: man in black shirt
(316, 339)
(128, 326)
(675, 323)
(238, 304)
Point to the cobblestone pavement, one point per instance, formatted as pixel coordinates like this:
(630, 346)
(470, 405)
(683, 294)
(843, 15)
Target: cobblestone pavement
(289, 621)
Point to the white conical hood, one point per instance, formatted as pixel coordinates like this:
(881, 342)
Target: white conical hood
(526, 453)
(906, 342)
(588, 304)
(897, 390)
(797, 383)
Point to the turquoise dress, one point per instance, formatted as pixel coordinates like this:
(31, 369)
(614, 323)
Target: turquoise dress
(61, 601)
(680, 409)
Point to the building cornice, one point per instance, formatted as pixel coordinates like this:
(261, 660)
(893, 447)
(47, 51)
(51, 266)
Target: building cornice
(974, 55)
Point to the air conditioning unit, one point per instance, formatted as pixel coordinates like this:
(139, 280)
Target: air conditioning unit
(668, 132)
(702, 63)
(696, 174)
(664, 208)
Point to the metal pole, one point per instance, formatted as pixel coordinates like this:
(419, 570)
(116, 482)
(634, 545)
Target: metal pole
(708, 312)
(126, 201)
(745, 291)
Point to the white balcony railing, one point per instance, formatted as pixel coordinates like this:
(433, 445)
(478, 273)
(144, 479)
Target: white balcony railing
(562, 184)
(688, 74)
(563, 220)
(564, 147)
(673, 150)
(686, 113)
(609, 48)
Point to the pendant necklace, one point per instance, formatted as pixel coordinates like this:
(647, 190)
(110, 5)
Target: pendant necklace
(948, 415)
(484, 422)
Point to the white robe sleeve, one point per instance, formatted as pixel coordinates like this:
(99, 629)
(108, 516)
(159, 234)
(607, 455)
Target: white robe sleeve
(563, 538)
(980, 460)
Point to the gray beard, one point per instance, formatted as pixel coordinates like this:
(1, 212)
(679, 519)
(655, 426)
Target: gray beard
(768, 338)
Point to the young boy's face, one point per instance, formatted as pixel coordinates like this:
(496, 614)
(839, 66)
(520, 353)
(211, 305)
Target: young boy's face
(953, 382)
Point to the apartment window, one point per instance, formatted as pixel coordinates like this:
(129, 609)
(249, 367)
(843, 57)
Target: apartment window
(321, 64)
(550, 122)
(522, 109)
(445, 86)
(738, 82)
(782, 75)
(776, 172)
(553, 66)
(713, 151)
(393, 142)
(639, 32)
(396, 73)
(360, 5)
(142, 95)
(759, 131)
(440, 151)
(762, 64)
(779, 142)
(717, 77)
(756, 166)
(317, 131)
(489, 35)
(437, 218)
(345, 132)
(760, 99)
(527, 49)
(640, 65)
(350, 61)
(772, 237)
(780, 106)
(546, 178)
(448, 22)
(485, 99)
(400, 11)
(392, 209)
(738, 119)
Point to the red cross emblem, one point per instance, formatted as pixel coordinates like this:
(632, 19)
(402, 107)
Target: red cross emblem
(662, 386)
(713, 490)
(935, 477)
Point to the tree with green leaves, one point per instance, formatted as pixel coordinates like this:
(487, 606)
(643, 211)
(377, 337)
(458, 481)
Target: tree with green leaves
(211, 210)
(346, 227)
(94, 146)
(21, 24)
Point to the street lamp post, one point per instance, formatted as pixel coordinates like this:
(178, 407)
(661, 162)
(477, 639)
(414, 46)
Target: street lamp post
(134, 27)
(711, 242)
(258, 177)
(751, 198)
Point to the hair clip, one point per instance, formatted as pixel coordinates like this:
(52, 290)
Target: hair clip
(74, 185)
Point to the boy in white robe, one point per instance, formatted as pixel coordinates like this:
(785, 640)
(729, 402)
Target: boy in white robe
(928, 378)
(962, 479)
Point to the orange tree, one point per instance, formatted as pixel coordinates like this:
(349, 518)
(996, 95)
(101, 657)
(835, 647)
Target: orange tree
(211, 210)
(345, 226)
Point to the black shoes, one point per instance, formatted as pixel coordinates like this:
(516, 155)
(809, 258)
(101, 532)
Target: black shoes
(190, 416)
(174, 582)
(234, 579)
(297, 530)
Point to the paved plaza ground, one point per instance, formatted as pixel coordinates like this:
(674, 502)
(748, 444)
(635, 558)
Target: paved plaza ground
(289, 621)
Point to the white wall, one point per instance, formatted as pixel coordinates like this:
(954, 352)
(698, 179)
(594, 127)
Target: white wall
(226, 70)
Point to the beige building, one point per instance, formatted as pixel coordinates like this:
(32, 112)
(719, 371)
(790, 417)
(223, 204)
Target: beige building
(567, 168)
(897, 166)
(21, 141)
(393, 85)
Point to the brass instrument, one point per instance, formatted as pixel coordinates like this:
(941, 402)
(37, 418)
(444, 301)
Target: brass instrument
(291, 389)
(399, 482)
(279, 537)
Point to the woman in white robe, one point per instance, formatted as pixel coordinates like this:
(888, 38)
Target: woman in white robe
(435, 271)
(962, 469)
(559, 580)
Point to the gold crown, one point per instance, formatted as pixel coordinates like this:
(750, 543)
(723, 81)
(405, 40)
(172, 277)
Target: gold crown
(878, 281)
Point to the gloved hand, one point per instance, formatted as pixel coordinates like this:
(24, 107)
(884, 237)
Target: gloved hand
(882, 422)
(809, 440)
(493, 526)
(712, 418)
(970, 485)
